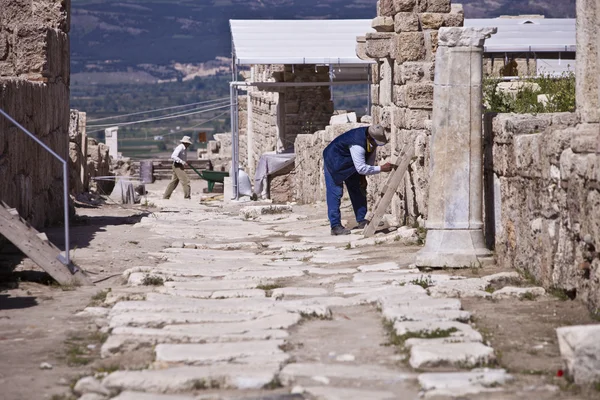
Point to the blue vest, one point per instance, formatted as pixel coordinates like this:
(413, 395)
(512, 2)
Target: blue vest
(336, 155)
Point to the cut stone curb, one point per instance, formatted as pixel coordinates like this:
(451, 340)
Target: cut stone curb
(226, 376)
(238, 352)
(463, 355)
(150, 396)
(280, 293)
(509, 292)
(460, 329)
(330, 393)
(579, 349)
(410, 314)
(252, 212)
(482, 378)
(291, 372)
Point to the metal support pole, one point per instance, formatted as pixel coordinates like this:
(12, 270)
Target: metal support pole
(369, 83)
(234, 143)
(66, 259)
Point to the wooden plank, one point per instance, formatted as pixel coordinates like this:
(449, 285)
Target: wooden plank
(391, 185)
(42, 253)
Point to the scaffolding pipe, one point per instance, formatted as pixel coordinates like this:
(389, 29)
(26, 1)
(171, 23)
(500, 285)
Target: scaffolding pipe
(66, 258)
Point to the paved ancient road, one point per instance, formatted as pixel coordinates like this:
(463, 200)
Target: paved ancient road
(262, 303)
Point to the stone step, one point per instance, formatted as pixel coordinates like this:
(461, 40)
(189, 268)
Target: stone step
(439, 328)
(127, 395)
(333, 393)
(292, 372)
(462, 355)
(456, 384)
(410, 314)
(180, 379)
(237, 352)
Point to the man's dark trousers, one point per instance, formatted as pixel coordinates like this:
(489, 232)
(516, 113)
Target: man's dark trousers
(335, 191)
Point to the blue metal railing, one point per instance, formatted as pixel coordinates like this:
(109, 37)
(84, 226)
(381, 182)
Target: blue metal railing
(63, 259)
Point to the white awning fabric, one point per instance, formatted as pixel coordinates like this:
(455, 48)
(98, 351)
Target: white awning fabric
(535, 35)
(323, 42)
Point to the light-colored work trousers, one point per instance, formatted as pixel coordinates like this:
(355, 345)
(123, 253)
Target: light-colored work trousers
(179, 174)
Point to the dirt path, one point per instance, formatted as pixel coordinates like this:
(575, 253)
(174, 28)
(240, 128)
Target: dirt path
(316, 303)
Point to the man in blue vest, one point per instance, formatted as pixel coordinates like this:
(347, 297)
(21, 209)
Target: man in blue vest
(348, 158)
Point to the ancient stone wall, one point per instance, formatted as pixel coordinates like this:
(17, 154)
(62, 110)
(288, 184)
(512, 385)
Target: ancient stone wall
(404, 49)
(219, 152)
(34, 90)
(546, 192)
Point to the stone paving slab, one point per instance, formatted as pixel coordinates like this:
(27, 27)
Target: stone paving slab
(424, 304)
(410, 343)
(330, 393)
(331, 271)
(410, 314)
(280, 293)
(238, 293)
(400, 276)
(156, 319)
(127, 395)
(178, 379)
(236, 352)
(463, 355)
(363, 372)
(483, 377)
(460, 329)
(382, 267)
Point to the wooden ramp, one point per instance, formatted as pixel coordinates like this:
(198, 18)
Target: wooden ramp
(36, 246)
(387, 192)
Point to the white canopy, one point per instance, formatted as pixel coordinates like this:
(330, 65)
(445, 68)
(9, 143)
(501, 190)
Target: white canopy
(536, 35)
(328, 42)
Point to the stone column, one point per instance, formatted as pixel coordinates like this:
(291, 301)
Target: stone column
(587, 60)
(455, 235)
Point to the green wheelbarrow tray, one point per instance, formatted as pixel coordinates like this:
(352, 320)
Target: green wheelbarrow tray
(211, 177)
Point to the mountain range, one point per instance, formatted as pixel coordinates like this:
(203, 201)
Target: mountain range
(151, 36)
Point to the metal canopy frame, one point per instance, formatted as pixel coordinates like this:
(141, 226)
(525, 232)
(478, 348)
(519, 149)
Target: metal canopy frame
(336, 51)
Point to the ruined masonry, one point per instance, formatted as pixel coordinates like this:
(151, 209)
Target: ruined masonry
(34, 90)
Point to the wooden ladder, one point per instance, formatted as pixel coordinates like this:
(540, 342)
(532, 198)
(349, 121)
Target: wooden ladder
(388, 190)
(36, 246)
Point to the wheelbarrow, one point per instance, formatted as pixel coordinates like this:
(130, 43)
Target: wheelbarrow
(211, 177)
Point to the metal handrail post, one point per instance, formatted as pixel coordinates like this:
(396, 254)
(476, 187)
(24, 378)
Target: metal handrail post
(66, 259)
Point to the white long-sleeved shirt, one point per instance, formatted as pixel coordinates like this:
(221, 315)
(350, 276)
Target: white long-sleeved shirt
(179, 156)
(364, 167)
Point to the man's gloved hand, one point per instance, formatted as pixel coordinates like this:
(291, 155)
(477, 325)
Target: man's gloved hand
(387, 167)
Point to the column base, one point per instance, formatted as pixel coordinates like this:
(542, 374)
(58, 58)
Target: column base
(453, 248)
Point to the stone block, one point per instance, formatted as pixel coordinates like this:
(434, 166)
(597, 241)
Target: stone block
(518, 292)
(406, 22)
(400, 96)
(438, 6)
(585, 138)
(579, 349)
(462, 383)
(420, 95)
(385, 8)
(379, 44)
(433, 41)
(454, 19)
(409, 46)
(383, 24)
(375, 93)
(385, 119)
(416, 72)
(361, 48)
(417, 119)
(527, 155)
(432, 20)
(404, 5)
(452, 354)
(398, 117)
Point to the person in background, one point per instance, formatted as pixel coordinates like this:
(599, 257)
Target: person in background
(179, 158)
(348, 159)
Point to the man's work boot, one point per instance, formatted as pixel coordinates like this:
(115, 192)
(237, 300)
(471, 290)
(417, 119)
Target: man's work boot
(362, 225)
(339, 230)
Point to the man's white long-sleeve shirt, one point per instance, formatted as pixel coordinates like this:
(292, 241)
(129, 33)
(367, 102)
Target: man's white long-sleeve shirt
(180, 154)
(364, 167)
